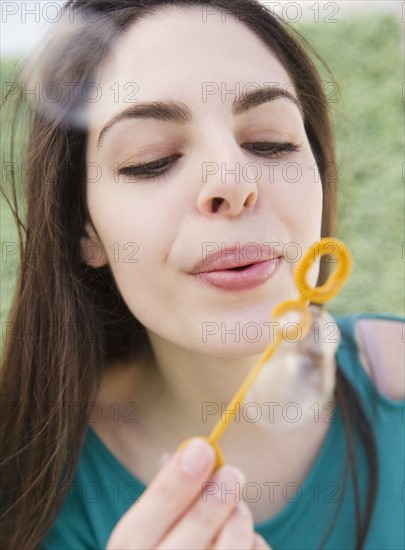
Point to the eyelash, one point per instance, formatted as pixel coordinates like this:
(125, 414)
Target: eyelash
(274, 149)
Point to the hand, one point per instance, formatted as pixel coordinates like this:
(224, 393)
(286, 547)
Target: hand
(186, 507)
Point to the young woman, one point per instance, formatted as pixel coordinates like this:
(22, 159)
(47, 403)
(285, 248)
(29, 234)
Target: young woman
(170, 136)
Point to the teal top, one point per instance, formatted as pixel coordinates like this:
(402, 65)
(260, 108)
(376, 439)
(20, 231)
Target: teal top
(103, 489)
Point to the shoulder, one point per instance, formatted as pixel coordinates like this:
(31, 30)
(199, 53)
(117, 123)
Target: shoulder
(381, 344)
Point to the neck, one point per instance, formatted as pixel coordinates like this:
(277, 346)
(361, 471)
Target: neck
(188, 391)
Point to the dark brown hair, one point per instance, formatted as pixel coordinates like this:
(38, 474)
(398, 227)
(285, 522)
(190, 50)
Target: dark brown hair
(68, 319)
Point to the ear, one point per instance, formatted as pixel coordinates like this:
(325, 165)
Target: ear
(91, 249)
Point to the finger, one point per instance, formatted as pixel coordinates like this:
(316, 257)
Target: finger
(169, 495)
(197, 528)
(237, 533)
(259, 543)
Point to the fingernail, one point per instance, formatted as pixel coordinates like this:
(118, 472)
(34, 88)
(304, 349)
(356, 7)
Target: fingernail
(229, 475)
(196, 457)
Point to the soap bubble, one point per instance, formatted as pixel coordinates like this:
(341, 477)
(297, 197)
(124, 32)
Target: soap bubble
(302, 373)
(59, 79)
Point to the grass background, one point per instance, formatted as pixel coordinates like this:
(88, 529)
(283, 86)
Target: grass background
(366, 57)
(365, 53)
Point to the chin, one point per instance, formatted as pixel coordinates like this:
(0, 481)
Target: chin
(230, 348)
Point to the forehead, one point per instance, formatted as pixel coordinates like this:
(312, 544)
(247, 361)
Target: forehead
(180, 53)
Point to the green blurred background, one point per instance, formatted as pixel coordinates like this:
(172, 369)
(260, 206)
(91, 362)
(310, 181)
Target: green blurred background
(366, 56)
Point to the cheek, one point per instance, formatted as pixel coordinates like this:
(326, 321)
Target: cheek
(136, 233)
(298, 197)
(303, 196)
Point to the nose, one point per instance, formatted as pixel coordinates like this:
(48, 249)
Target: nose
(228, 183)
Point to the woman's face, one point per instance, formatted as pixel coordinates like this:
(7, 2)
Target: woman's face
(219, 190)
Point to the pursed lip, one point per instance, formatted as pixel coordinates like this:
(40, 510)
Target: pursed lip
(228, 258)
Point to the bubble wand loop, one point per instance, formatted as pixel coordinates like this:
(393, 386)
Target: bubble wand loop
(317, 295)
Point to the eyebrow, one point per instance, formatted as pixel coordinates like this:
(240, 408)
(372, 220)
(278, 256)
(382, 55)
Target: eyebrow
(179, 113)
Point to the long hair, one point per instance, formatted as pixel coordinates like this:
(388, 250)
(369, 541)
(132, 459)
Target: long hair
(68, 319)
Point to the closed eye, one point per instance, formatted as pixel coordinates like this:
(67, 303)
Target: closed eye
(272, 149)
(149, 170)
(157, 168)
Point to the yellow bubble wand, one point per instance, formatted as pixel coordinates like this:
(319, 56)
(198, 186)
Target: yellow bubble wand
(318, 295)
